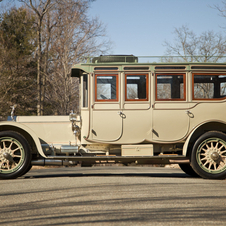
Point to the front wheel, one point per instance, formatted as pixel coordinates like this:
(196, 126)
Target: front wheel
(208, 158)
(15, 155)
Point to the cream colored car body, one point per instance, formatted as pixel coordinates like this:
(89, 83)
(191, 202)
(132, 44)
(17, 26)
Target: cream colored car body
(146, 131)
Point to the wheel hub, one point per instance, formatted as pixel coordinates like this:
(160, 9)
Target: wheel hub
(7, 156)
(215, 156)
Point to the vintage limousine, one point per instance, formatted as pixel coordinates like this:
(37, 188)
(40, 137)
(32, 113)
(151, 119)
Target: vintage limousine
(130, 112)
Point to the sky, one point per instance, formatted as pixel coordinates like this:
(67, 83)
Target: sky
(141, 27)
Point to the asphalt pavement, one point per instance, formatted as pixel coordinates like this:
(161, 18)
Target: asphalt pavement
(112, 196)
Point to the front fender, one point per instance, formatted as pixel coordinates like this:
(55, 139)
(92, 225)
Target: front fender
(25, 131)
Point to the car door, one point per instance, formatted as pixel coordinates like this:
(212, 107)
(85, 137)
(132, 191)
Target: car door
(136, 107)
(106, 120)
(170, 111)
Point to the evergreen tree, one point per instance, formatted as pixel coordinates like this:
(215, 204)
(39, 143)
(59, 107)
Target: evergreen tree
(17, 62)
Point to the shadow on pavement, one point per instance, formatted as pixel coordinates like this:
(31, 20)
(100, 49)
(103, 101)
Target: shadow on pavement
(92, 172)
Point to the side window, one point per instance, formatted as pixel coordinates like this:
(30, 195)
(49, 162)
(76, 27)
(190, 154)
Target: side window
(209, 86)
(106, 87)
(85, 90)
(136, 87)
(170, 87)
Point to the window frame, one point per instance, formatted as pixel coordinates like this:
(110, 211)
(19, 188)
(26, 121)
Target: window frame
(171, 74)
(193, 85)
(147, 85)
(117, 88)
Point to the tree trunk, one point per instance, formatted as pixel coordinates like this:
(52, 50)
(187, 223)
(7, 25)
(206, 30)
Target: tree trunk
(39, 69)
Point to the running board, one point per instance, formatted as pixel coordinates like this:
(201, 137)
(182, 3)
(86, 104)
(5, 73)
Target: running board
(69, 160)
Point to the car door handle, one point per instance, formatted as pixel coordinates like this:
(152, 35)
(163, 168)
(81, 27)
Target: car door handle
(190, 114)
(121, 114)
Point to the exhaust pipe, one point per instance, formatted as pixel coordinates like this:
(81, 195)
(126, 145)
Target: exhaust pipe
(52, 162)
(182, 161)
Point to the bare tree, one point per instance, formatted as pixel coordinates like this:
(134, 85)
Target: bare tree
(208, 46)
(64, 35)
(221, 8)
(74, 36)
(40, 9)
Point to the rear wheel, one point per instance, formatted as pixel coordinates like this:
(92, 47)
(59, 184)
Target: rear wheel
(208, 158)
(188, 170)
(15, 155)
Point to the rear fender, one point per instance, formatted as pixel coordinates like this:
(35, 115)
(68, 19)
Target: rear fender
(199, 130)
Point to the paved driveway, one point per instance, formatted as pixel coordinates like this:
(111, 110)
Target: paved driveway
(112, 196)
